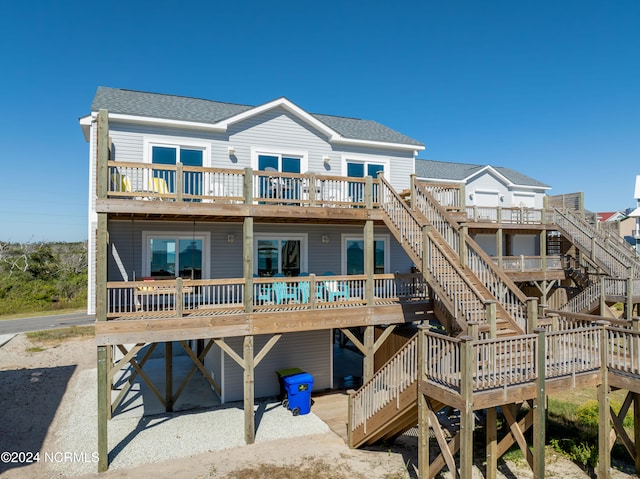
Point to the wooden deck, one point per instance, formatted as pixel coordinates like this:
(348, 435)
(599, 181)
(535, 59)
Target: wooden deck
(332, 408)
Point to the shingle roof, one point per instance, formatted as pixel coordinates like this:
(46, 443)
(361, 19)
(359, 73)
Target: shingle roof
(172, 107)
(444, 170)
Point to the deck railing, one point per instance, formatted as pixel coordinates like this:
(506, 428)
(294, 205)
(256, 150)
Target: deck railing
(447, 195)
(530, 263)
(571, 352)
(177, 297)
(498, 214)
(178, 182)
(623, 350)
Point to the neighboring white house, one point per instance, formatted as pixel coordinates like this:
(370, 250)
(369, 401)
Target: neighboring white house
(486, 185)
(492, 187)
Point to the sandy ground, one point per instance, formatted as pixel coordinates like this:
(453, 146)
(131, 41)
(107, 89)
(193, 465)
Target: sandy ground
(38, 391)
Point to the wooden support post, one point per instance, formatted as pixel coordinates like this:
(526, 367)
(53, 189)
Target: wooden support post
(636, 430)
(603, 296)
(247, 263)
(491, 425)
(110, 364)
(423, 411)
(463, 245)
(539, 408)
(543, 249)
(312, 189)
(249, 392)
(368, 192)
(103, 405)
(532, 315)
(179, 181)
(426, 252)
(466, 413)
(368, 365)
(102, 168)
(463, 197)
(604, 439)
(412, 191)
(369, 260)
(168, 376)
(179, 297)
(102, 239)
(247, 186)
(499, 246)
(490, 314)
(629, 302)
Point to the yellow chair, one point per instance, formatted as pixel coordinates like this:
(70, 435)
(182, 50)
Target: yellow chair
(120, 183)
(159, 185)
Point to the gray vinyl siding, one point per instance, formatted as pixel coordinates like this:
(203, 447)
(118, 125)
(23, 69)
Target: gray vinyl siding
(225, 259)
(310, 351)
(213, 362)
(274, 131)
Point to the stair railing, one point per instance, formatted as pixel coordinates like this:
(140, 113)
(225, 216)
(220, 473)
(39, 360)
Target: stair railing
(501, 287)
(611, 256)
(386, 385)
(442, 272)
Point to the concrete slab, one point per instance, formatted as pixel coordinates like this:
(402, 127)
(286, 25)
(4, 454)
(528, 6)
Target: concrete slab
(5, 338)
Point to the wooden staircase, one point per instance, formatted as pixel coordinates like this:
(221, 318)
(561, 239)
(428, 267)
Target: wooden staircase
(460, 296)
(609, 255)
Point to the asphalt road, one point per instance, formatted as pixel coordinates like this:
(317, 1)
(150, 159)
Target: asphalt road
(40, 323)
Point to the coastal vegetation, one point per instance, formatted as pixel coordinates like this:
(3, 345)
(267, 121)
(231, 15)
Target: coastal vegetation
(42, 276)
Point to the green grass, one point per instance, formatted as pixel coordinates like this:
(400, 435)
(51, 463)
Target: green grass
(35, 349)
(61, 334)
(41, 313)
(311, 469)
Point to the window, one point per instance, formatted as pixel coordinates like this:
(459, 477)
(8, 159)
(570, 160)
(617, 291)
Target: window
(164, 151)
(280, 255)
(172, 255)
(281, 188)
(361, 169)
(353, 255)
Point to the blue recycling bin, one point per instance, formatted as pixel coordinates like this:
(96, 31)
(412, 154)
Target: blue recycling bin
(298, 388)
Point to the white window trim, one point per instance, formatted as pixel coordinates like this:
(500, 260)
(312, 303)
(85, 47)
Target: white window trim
(303, 155)
(347, 157)
(177, 235)
(176, 142)
(302, 237)
(378, 237)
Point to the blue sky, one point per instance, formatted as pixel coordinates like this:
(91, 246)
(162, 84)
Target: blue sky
(549, 88)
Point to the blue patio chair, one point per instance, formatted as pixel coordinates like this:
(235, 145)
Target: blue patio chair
(283, 291)
(335, 289)
(262, 292)
(303, 288)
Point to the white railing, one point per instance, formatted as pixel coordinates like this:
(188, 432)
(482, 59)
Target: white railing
(530, 263)
(497, 214)
(583, 300)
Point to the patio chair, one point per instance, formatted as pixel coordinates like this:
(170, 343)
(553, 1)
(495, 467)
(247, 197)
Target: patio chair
(262, 292)
(120, 183)
(335, 289)
(303, 289)
(283, 291)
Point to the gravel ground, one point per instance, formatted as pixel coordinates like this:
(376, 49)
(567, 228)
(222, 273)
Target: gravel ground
(142, 440)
